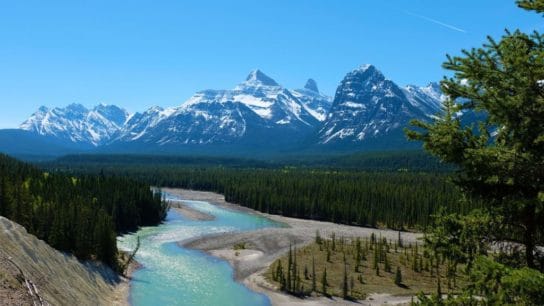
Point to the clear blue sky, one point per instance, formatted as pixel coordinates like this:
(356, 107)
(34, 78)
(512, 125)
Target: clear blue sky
(137, 54)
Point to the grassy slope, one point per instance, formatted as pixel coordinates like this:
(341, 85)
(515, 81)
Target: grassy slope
(412, 282)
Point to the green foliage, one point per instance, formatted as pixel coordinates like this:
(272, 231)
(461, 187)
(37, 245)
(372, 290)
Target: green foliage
(345, 286)
(313, 275)
(389, 199)
(500, 162)
(460, 238)
(503, 285)
(533, 5)
(398, 277)
(239, 246)
(412, 160)
(80, 215)
(500, 158)
(324, 282)
(492, 283)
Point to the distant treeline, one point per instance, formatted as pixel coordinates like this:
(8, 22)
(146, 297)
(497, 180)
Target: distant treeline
(77, 214)
(394, 199)
(415, 160)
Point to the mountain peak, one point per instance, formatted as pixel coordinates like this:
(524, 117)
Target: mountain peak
(257, 77)
(112, 113)
(368, 72)
(103, 106)
(311, 85)
(76, 107)
(435, 86)
(366, 67)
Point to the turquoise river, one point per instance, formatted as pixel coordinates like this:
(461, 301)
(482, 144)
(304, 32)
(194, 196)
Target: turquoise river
(173, 275)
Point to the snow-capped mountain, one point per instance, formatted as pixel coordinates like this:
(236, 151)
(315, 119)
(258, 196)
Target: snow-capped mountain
(368, 108)
(257, 110)
(429, 98)
(139, 124)
(77, 124)
(316, 103)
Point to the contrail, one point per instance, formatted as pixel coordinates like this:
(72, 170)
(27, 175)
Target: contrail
(449, 26)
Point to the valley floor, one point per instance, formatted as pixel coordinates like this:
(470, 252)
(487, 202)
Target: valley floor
(263, 247)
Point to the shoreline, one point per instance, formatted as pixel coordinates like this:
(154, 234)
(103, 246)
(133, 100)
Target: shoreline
(121, 292)
(189, 212)
(264, 246)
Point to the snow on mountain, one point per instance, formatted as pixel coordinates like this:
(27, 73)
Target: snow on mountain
(138, 124)
(369, 107)
(428, 98)
(314, 102)
(258, 106)
(75, 123)
(366, 107)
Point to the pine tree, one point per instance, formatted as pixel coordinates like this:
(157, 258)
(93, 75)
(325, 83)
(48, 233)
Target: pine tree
(358, 254)
(376, 258)
(345, 288)
(398, 277)
(534, 5)
(296, 278)
(387, 265)
(497, 155)
(281, 276)
(289, 268)
(324, 282)
(313, 275)
(351, 285)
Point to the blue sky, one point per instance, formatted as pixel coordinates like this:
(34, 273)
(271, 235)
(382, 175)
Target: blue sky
(137, 54)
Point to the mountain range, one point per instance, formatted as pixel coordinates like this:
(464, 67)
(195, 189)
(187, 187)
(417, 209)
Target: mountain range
(368, 112)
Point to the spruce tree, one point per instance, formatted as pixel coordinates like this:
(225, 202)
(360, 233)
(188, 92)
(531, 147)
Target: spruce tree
(534, 5)
(289, 267)
(497, 156)
(345, 288)
(296, 277)
(398, 277)
(351, 285)
(324, 283)
(313, 275)
(387, 265)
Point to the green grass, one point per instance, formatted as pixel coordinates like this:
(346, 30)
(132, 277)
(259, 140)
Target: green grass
(415, 279)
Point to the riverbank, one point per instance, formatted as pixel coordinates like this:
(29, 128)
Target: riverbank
(33, 273)
(121, 294)
(190, 213)
(262, 247)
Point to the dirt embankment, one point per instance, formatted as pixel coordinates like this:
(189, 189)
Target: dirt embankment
(31, 272)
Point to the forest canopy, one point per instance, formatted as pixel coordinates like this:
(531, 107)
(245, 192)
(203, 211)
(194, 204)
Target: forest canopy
(80, 214)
